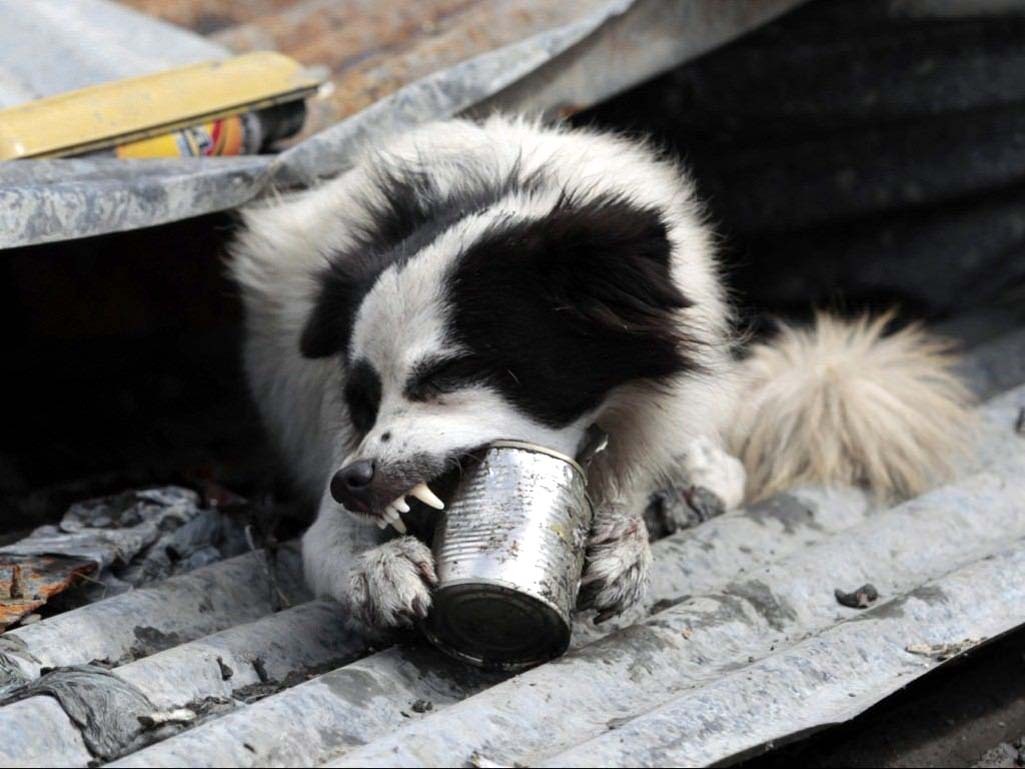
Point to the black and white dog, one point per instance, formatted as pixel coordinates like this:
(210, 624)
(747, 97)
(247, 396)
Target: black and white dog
(472, 282)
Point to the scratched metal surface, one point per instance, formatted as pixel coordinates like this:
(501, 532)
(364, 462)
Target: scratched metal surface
(392, 64)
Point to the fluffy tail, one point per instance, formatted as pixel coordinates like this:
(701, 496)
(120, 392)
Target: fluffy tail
(840, 403)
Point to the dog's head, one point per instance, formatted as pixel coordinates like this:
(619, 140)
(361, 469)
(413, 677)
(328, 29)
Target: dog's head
(466, 318)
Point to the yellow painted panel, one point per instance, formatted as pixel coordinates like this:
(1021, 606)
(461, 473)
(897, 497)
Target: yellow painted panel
(123, 111)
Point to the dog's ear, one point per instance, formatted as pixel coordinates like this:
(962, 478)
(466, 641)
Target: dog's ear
(608, 263)
(329, 326)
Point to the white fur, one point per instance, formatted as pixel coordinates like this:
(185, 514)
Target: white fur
(843, 403)
(658, 433)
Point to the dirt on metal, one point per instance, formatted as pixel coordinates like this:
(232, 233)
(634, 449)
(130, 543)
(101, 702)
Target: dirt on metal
(862, 598)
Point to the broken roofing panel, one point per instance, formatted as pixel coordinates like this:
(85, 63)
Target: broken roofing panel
(554, 62)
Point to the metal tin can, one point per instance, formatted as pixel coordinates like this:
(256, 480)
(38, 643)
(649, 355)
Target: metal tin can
(509, 554)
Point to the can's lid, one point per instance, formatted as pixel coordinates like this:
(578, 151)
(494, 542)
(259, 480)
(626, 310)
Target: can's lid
(495, 627)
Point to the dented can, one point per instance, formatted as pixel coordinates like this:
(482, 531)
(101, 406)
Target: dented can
(509, 553)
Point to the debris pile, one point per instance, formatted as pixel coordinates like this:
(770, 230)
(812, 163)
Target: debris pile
(105, 546)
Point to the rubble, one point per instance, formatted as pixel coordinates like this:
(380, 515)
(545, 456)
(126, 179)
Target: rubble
(114, 544)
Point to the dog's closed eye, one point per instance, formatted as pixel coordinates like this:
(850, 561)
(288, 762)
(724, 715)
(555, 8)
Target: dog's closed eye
(438, 376)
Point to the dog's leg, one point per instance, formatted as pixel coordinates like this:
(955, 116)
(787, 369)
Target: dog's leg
(382, 585)
(330, 549)
(618, 560)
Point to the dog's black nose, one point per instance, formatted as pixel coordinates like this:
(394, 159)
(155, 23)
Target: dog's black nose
(351, 485)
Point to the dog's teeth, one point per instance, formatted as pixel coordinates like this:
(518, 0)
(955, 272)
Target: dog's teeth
(400, 527)
(391, 513)
(428, 497)
(381, 523)
(400, 505)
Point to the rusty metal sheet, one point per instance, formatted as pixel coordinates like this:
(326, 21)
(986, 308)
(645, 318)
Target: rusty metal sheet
(370, 48)
(373, 49)
(205, 17)
(555, 72)
(27, 583)
(91, 537)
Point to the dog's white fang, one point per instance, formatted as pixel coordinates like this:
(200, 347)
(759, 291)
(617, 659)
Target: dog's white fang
(428, 497)
(400, 505)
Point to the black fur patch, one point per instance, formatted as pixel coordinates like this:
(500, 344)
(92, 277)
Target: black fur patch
(558, 311)
(363, 395)
(407, 213)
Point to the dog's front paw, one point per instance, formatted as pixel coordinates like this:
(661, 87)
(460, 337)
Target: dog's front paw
(390, 585)
(617, 564)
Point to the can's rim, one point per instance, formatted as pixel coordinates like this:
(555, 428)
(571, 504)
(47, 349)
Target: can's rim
(537, 449)
(562, 621)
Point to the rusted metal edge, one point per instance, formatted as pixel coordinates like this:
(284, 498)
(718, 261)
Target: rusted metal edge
(27, 583)
(94, 535)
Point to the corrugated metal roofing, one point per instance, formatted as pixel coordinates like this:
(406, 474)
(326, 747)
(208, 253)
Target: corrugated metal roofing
(742, 643)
